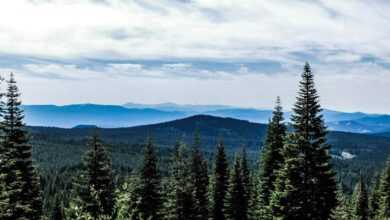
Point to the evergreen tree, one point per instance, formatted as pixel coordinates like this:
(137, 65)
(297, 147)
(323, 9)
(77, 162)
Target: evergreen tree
(343, 210)
(221, 178)
(179, 204)
(246, 182)
(374, 202)
(385, 193)
(200, 181)
(306, 188)
(4, 199)
(96, 187)
(271, 160)
(58, 210)
(361, 201)
(5, 171)
(128, 199)
(21, 179)
(149, 191)
(236, 198)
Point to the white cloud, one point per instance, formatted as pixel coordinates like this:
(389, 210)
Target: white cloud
(64, 36)
(196, 29)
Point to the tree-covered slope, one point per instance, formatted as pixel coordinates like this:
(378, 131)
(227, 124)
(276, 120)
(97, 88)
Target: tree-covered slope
(55, 147)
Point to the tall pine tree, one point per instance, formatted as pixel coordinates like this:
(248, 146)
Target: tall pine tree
(179, 204)
(235, 205)
(271, 160)
(374, 202)
(306, 188)
(149, 191)
(96, 187)
(360, 201)
(343, 210)
(246, 182)
(221, 178)
(21, 178)
(384, 211)
(200, 181)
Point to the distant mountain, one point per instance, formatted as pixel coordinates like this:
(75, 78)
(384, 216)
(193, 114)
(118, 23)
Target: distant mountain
(331, 115)
(85, 126)
(89, 114)
(254, 115)
(189, 109)
(131, 114)
(368, 124)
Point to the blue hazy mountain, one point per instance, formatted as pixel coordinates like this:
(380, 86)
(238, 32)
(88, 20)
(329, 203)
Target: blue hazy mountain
(250, 114)
(94, 115)
(368, 124)
(132, 114)
(262, 116)
(169, 106)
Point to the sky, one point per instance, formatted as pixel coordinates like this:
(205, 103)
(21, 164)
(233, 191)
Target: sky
(242, 53)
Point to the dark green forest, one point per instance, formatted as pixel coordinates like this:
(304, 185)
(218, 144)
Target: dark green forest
(201, 167)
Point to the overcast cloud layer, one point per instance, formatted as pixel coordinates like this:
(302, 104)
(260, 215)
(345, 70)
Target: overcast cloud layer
(242, 53)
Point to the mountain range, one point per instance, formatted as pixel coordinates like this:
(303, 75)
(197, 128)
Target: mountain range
(132, 114)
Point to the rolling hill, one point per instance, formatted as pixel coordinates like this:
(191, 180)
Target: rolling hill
(57, 147)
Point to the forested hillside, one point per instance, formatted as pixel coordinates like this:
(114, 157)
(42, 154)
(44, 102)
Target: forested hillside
(51, 143)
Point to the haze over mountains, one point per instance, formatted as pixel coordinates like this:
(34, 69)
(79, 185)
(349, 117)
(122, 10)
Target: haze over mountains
(132, 114)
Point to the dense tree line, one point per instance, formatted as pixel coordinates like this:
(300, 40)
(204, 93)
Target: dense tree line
(294, 178)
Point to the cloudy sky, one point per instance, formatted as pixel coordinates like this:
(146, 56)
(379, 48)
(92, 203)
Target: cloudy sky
(241, 53)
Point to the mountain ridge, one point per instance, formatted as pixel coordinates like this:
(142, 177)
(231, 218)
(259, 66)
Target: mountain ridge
(111, 116)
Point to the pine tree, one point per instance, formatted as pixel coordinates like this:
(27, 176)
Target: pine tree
(343, 210)
(58, 210)
(4, 199)
(95, 186)
(128, 199)
(21, 180)
(200, 181)
(149, 192)
(236, 198)
(179, 204)
(5, 206)
(360, 202)
(246, 182)
(271, 160)
(374, 202)
(221, 178)
(306, 188)
(385, 193)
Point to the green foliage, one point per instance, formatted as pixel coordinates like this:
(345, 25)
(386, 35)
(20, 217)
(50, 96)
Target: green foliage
(58, 212)
(95, 187)
(220, 188)
(236, 200)
(306, 188)
(21, 179)
(385, 193)
(200, 181)
(360, 201)
(271, 161)
(374, 201)
(149, 200)
(179, 203)
(343, 211)
(127, 199)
